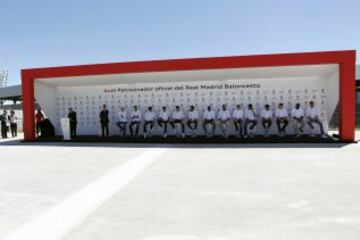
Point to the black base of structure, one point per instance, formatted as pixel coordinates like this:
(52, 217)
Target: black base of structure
(196, 140)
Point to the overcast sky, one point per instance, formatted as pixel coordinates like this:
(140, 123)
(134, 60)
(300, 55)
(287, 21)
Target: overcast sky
(40, 33)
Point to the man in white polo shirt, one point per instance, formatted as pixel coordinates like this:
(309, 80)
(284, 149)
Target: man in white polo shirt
(135, 119)
(209, 121)
(250, 118)
(266, 116)
(193, 118)
(178, 118)
(149, 119)
(122, 116)
(238, 116)
(223, 118)
(298, 116)
(281, 118)
(312, 116)
(163, 120)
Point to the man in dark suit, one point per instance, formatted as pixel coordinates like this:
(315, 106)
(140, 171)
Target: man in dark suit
(104, 120)
(73, 122)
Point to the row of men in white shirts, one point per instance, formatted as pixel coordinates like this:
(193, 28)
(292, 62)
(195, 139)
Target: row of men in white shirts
(242, 120)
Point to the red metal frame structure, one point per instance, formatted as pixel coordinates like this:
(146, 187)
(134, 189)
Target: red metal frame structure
(345, 59)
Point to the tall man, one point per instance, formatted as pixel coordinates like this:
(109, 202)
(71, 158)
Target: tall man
(193, 118)
(135, 118)
(298, 116)
(73, 122)
(149, 118)
(223, 118)
(312, 116)
(281, 118)
(163, 120)
(238, 116)
(266, 115)
(104, 121)
(209, 121)
(122, 117)
(4, 124)
(178, 118)
(250, 118)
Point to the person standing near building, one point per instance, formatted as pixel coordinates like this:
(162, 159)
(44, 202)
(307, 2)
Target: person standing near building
(238, 116)
(298, 116)
(281, 119)
(163, 120)
(149, 119)
(4, 124)
(178, 119)
(223, 118)
(73, 122)
(250, 118)
(13, 123)
(104, 121)
(266, 116)
(193, 119)
(313, 117)
(39, 117)
(122, 117)
(209, 121)
(135, 119)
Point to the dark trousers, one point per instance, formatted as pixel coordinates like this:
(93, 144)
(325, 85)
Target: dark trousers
(147, 123)
(105, 129)
(238, 126)
(284, 122)
(13, 127)
(122, 127)
(252, 125)
(192, 124)
(180, 122)
(72, 129)
(266, 123)
(137, 126)
(3, 130)
(318, 122)
(207, 122)
(299, 124)
(163, 124)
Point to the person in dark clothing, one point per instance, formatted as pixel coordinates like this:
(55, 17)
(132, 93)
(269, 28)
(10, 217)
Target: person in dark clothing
(39, 120)
(73, 122)
(104, 121)
(4, 120)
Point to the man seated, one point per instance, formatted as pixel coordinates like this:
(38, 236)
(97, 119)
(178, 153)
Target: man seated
(178, 118)
(298, 116)
(250, 118)
(266, 116)
(122, 116)
(223, 118)
(312, 116)
(238, 116)
(135, 119)
(149, 118)
(281, 119)
(163, 120)
(193, 118)
(209, 121)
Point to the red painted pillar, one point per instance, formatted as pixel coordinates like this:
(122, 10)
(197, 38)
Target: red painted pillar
(28, 106)
(347, 98)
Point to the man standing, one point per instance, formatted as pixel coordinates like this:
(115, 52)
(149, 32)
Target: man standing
(298, 116)
(266, 115)
(312, 116)
(135, 118)
(4, 122)
(13, 123)
(122, 116)
(193, 118)
(250, 118)
(39, 118)
(223, 118)
(104, 121)
(73, 122)
(281, 119)
(163, 120)
(178, 118)
(238, 116)
(149, 118)
(209, 121)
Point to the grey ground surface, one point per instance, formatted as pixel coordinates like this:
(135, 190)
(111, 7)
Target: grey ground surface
(206, 192)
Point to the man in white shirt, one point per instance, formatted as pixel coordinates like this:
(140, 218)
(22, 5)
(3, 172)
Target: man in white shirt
(312, 116)
(281, 118)
(266, 116)
(163, 120)
(250, 118)
(135, 119)
(223, 118)
(122, 116)
(238, 116)
(193, 118)
(149, 119)
(298, 116)
(209, 121)
(178, 118)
